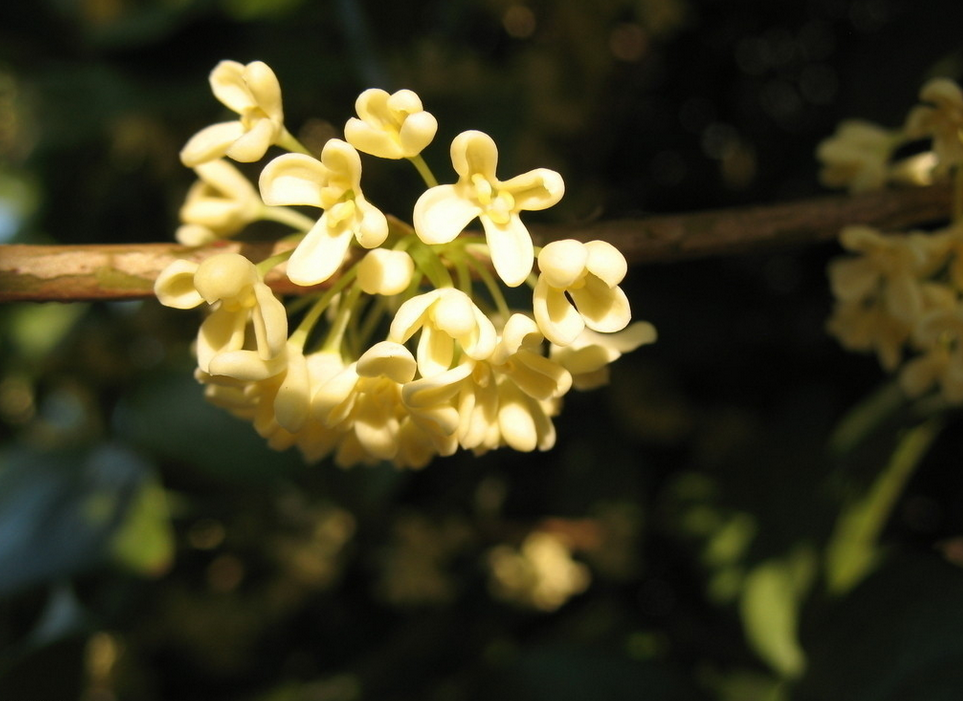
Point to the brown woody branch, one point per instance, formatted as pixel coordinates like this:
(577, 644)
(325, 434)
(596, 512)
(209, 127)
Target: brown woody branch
(115, 272)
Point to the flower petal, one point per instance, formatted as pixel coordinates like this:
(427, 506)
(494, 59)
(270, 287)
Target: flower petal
(604, 309)
(416, 133)
(557, 319)
(270, 322)
(227, 84)
(388, 359)
(246, 365)
(606, 262)
(175, 288)
(252, 145)
(441, 214)
(265, 88)
(511, 249)
(292, 404)
(210, 143)
(537, 189)
(220, 332)
(293, 178)
(319, 255)
(474, 153)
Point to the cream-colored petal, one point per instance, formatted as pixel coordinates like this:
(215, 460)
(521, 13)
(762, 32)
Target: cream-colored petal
(481, 342)
(520, 330)
(175, 288)
(903, 298)
(265, 88)
(441, 214)
(293, 178)
(225, 276)
(385, 272)
(474, 152)
(388, 359)
(210, 143)
(292, 404)
(319, 255)
(411, 316)
(372, 230)
(452, 313)
(220, 332)
(538, 376)
(246, 365)
(372, 105)
(342, 160)
(253, 144)
(852, 279)
(515, 419)
(606, 262)
(511, 249)
(270, 320)
(194, 235)
(371, 140)
(333, 401)
(562, 263)
(226, 178)
(228, 85)
(557, 319)
(435, 352)
(437, 389)
(416, 133)
(537, 189)
(604, 309)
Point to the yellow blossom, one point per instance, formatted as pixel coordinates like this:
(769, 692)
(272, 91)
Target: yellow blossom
(390, 126)
(254, 93)
(941, 118)
(334, 185)
(857, 156)
(578, 287)
(444, 211)
(218, 205)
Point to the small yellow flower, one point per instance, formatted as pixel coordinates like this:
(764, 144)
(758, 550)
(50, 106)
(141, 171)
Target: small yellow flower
(218, 205)
(940, 335)
(941, 118)
(390, 126)
(857, 156)
(447, 319)
(588, 274)
(233, 288)
(385, 272)
(254, 93)
(444, 211)
(334, 185)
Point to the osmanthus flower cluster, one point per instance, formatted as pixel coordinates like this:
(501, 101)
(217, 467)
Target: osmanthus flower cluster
(900, 295)
(411, 349)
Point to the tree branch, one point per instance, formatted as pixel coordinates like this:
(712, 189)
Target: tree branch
(117, 272)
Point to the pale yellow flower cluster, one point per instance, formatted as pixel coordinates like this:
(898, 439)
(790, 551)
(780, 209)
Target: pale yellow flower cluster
(901, 296)
(861, 155)
(412, 350)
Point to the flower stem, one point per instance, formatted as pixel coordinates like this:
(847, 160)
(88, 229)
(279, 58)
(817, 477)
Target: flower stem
(300, 335)
(287, 141)
(424, 171)
(285, 215)
(345, 311)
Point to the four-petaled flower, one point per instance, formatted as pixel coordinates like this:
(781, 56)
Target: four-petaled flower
(942, 119)
(578, 287)
(233, 287)
(334, 185)
(218, 205)
(390, 126)
(254, 93)
(442, 212)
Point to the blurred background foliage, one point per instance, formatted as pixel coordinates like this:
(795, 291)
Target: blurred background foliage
(695, 534)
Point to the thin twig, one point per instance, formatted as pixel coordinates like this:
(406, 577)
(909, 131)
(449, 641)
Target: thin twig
(117, 272)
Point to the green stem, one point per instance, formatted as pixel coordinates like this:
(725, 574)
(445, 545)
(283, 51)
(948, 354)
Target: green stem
(492, 286)
(266, 265)
(345, 311)
(853, 549)
(290, 217)
(287, 141)
(424, 171)
(300, 335)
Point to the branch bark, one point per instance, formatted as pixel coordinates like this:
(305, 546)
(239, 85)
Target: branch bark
(118, 272)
